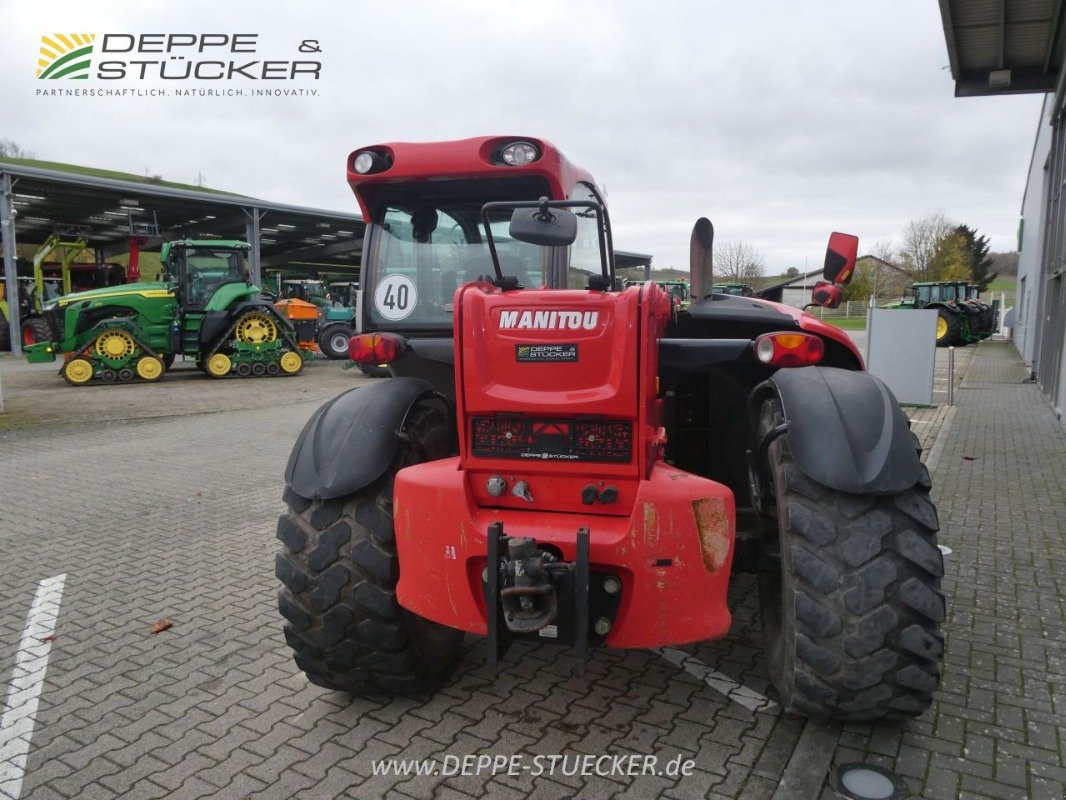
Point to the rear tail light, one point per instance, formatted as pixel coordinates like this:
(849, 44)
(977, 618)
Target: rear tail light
(552, 439)
(789, 349)
(373, 348)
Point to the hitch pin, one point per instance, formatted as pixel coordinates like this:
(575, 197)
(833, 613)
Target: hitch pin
(521, 490)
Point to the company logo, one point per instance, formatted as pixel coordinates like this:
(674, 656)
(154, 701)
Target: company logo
(174, 57)
(532, 353)
(65, 55)
(549, 320)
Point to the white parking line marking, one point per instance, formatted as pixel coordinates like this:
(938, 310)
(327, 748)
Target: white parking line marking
(20, 708)
(738, 693)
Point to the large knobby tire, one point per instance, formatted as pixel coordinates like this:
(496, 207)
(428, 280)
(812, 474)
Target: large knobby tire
(948, 327)
(338, 567)
(36, 330)
(850, 595)
(333, 340)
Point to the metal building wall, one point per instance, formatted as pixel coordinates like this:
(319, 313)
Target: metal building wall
(1024, 331)
(1050, 335)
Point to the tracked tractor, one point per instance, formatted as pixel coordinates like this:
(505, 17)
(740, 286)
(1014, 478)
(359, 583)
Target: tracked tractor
(592, 467)
(962, 317)
(205, 309)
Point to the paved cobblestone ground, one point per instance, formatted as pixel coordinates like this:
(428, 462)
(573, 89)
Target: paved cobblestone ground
(998, 725)
(173, 517)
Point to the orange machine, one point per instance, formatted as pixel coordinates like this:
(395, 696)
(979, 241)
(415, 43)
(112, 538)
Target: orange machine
(304, 318)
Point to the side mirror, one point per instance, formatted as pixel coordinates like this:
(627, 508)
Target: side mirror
(827, 295)
(548, 227)
(840, 258)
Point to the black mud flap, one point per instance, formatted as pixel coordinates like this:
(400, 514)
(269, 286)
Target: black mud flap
(352, 440)
(844, 428)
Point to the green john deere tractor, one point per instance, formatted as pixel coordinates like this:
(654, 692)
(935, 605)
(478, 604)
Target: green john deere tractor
(205, 308)
(962, 317)
(734, 289)
(678, 290)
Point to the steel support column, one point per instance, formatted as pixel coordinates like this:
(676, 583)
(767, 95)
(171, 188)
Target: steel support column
(255, 216)
(11, 281)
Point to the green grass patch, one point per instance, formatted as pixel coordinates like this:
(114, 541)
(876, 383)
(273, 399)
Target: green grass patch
(847, 323)
(77, 169)
(1008, 283)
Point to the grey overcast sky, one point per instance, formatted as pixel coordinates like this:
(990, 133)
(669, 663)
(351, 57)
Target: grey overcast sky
(781, 121)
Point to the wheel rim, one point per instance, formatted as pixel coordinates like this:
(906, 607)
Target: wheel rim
(256, 329)
(218, 365)
(339, 342)
(291, 362)
(149, 368)
(78, 370)
(941, 327)
(115, 344)
(29, 336)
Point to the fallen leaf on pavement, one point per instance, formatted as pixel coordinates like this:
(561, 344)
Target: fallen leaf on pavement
(49, 638)
(161, 625)
(969, 458)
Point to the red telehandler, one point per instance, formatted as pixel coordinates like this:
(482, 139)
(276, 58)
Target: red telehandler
(590, 466)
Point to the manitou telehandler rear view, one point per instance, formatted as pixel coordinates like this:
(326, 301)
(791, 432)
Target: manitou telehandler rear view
(589, 467)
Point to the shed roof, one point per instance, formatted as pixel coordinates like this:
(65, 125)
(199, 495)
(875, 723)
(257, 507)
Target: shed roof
(1003, 46)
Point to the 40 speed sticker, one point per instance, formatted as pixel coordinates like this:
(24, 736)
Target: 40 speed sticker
(396, 297)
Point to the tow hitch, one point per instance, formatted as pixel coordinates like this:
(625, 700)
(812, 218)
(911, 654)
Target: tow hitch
(533, 594)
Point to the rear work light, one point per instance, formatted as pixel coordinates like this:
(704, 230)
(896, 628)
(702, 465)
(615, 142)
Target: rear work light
(518, 154)
(373, 348)
(369, 161)
(789, 349)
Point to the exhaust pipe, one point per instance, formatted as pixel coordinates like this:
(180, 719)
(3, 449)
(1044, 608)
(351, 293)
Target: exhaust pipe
(700, 257)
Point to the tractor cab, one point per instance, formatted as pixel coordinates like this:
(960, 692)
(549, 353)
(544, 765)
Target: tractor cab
(310, 290)
(201, 268)
(426, 236)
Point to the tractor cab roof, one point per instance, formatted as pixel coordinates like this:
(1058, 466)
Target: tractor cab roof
(459, 160)
(218, 244)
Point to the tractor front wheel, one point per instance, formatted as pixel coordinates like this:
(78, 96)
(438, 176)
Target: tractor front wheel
(36, 330)
(850, 595)
(333, 340)
(338, 568)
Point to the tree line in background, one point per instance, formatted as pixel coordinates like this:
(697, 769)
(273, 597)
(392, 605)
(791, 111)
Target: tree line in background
(933, 248)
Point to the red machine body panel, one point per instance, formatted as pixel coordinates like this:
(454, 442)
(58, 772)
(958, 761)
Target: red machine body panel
(673, 553)
(582, 414)
(502, 369)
